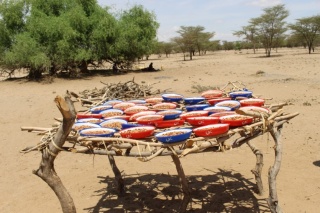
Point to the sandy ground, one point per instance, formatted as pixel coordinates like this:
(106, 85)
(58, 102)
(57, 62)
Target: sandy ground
(220, 182)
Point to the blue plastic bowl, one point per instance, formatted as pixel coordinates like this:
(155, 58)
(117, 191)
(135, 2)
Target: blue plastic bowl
(196, 107)
(216, 109)
(165, 137)
(193, 100)
(129, 125)
(171, 97)
(170, 114)
(111, 123)
(112, 102)
(98, 109)
(242, 93)
(98, 132)
(232, 104)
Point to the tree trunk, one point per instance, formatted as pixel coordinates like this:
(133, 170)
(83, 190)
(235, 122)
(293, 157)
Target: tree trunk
(190, 55)
(35, 73)
(46, 170)
(183, 182)
(272, 200)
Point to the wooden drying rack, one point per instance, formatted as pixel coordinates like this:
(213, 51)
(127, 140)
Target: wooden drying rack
(53, 141)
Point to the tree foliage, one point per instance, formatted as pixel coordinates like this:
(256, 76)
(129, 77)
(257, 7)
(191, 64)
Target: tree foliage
(308, 29)
(49, 36)
(270, 26)
(193, 39)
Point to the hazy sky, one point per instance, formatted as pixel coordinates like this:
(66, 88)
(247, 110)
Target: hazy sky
(220, 16)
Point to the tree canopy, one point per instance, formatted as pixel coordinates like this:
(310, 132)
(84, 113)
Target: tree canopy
(48, 36)
(308, 29)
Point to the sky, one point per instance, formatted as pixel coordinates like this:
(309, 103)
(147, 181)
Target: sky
(222, 17)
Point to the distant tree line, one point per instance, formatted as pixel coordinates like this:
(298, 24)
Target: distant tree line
(266, 31)
(69, 35)
(50, 36)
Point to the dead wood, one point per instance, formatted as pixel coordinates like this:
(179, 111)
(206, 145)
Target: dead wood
(46, 170)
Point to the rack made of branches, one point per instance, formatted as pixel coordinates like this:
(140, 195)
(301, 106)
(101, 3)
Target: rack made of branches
(61, 137)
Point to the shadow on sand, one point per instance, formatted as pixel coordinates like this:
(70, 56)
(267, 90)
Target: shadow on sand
(223, 191)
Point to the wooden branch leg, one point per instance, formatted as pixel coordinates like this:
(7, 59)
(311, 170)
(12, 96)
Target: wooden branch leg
(46, 169)
(258, 168)
(117, 174)
(273, 172)
(47, 173)
(183, 182)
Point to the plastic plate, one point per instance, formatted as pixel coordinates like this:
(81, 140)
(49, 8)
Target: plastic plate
(137, 132)
(168, 123)
(193, 100)
(202, 121)
(170, 114)
(242, 93)
(113, 123)
(111, 113)
(98, 132)
(139, 114)
(123, 105)
(98, 109)
(217, 100)
(81, 126)
(149, 119)
(135, 109)
(209, 94)
(196, 107)
(164, 106)
(236, 120)
(171, 97)
(233, 105)
(197, 113)
(211, 130)
(173, 136)
(252, 102)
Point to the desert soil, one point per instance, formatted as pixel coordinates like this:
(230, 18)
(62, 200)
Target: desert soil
(220, 182)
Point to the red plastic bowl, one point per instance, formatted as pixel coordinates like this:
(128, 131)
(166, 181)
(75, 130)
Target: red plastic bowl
(220, 114)
(81, 116)
(137, 132)
(236, 120)
(154, 100)
(149, 119)
(211, 130)
(255, 109)
(139, 114)
(252, 102)
(168, 123)
(209, 94)
(123, 105)
(135, 109)
(202, 120)
(217, 100)
(196, 113)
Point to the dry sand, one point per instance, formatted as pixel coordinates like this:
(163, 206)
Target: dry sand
(221, 182)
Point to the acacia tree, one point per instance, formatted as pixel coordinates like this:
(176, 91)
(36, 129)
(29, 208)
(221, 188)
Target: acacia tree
(308, 29)
(193, 39)
(136, 32)
(270, 25)
(250, 35)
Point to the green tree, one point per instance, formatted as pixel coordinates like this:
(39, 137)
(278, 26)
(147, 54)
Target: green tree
(308, 29)
(250, 35)
(136, 35)
(270, 25)
(193, 39)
